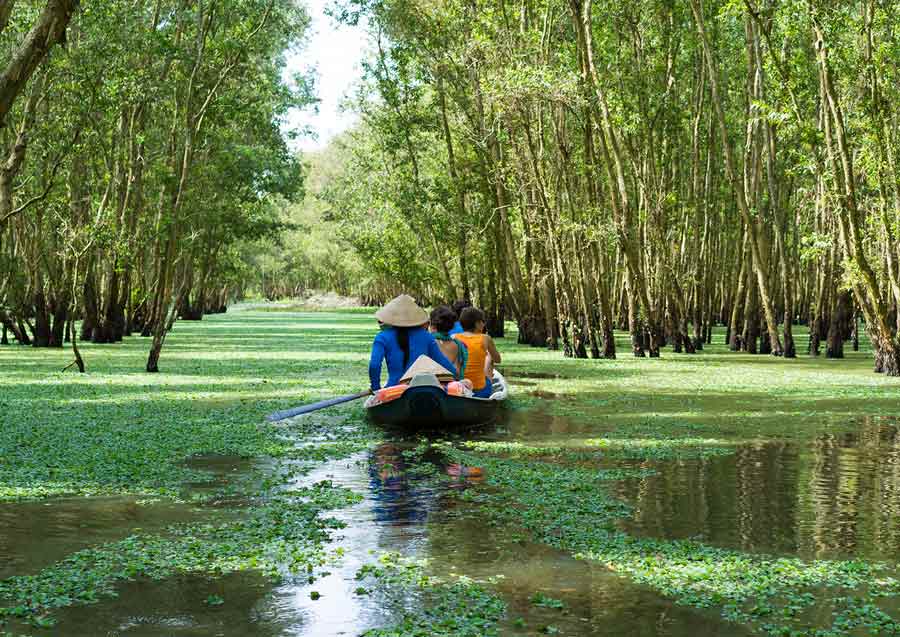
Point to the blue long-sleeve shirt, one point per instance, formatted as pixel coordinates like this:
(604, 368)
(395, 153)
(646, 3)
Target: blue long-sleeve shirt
(387, 348)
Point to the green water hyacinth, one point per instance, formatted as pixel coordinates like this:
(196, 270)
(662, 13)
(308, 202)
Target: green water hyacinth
(569, 509)
(549, 475)
(458, 607)
(286, 535)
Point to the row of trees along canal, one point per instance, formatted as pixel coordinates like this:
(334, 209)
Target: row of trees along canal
(139, 147)
(655, 165)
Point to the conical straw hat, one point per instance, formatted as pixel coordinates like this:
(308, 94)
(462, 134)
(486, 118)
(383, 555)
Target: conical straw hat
(402, 312)
(425, 365)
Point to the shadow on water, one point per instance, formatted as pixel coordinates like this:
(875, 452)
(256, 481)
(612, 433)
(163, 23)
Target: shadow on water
(232, 605)
(217, 477)
(514, 378)
(834, 496)
(536, 424)
(408, 507)
(35, 534)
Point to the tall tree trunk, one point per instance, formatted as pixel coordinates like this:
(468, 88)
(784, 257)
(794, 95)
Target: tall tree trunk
(737, 183)
(868, 292)
(48, 30)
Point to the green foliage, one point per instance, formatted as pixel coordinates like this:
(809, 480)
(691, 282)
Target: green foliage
(520, 151)
(116, 431)
(159, 132)
(712, 395)
(594, 449)
(454, 608)
(556, 488)
(569, 508)
(284, 535)
(393, 227)
(215, 600)
(308, 253)
(127, 432)
(539, 599)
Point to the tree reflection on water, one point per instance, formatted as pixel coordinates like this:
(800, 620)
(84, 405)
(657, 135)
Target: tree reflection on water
(836, 496)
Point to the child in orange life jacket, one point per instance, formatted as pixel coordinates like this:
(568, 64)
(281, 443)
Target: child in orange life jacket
(483, 354)
(442, 320)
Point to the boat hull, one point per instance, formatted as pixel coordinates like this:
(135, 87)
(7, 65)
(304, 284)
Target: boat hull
(428, 406)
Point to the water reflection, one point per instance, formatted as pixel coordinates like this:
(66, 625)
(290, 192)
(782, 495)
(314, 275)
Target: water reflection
(34, 535)
(396, 498)
(407, 507)
(179, 606)
(838, 496)
(835, 496)
(456, 538)
(537, 424)
(596, 601)
(599, 602)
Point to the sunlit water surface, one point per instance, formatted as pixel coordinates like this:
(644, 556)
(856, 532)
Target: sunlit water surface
(836, 496)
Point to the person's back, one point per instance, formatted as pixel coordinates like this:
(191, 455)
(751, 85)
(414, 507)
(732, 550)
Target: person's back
(402, 343)
(474, 371)
(399, 358)
(481, 350)
(450, 349)
(442, 321)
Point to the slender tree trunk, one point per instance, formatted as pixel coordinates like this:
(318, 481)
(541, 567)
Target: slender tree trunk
(737, 183)
(868, 292)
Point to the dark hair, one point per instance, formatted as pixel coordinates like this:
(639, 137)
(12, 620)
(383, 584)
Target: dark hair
(459, 306)
(469, 317)
(403, 341)
(443, 318)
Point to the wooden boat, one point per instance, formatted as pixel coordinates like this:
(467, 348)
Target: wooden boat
(426, 405)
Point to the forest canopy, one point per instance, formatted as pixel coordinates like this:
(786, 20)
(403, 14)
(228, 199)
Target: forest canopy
(659, 167)
(145, 147)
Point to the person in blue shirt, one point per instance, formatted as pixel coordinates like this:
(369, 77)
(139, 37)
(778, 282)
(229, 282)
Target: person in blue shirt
(403, 339)
(458, 307)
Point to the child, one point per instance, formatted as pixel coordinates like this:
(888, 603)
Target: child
(483, 354)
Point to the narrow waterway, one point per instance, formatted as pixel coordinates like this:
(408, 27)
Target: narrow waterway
(833, 496)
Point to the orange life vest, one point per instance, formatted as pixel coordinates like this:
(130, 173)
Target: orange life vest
(387, 394)
(477, 355)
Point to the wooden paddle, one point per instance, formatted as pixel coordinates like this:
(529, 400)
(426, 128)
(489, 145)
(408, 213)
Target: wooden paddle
(322, 404)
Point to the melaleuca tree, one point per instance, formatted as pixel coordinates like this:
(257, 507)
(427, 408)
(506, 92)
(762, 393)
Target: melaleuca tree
(656, 166)
(156, 135)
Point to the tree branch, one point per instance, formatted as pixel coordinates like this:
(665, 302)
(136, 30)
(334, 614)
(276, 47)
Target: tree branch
(49, 186)
(6, 7)
(50, 29)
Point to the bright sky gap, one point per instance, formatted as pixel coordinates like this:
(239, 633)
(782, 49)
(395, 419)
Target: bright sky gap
(334, 51)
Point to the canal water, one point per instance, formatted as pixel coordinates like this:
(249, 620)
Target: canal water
(837, 496)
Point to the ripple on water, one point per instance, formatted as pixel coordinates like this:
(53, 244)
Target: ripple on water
(835, 496)
(179, 606)
(404, 510)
